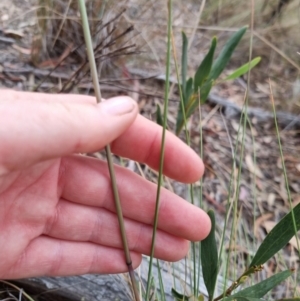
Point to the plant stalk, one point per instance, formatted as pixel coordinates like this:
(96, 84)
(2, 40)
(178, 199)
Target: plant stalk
(162, 150)
(90, 53)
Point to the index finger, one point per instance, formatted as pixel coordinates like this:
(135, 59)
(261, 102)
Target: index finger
(142, 142)
(75, 124)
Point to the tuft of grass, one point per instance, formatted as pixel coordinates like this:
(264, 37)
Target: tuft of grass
(58, 34)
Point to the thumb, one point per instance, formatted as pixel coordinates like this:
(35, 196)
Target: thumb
(37, 127)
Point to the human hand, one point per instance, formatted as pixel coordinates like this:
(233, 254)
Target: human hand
(57, 213)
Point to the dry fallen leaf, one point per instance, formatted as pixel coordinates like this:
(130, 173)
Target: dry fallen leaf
(293, 242)
(16, 34)
(264, 88)
(253, 168)
(244, 194)
(260, 222)
(269, 225)
(22, 50)
(268, 139)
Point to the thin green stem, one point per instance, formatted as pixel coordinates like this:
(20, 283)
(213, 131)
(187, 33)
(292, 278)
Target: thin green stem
(187, 136)
(227, 213)
(201, 188)
(284, 170)
(161, 284)
(90, 53)
(254, 176)
(162, 151)
(244, 112)
(194, 284)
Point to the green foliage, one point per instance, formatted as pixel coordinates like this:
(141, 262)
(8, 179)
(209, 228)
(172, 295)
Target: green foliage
(243, 69)
(277, 238)
(159, 118)
(184, 61)
(226, 53)
(262, 288)
(179, 297)
(205, 67)
(196, 89)
(274, 242)
(209, 258)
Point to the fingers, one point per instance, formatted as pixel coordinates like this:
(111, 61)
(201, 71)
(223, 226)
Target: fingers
(46, 256)
(86, 181)
(47, 126)
(74, 222)
(142, 142)
(45, 129)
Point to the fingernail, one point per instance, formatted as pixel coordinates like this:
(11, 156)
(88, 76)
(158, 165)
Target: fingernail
(118, 105)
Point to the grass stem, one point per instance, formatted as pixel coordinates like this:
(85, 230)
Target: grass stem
(162, 150)
(90, 52)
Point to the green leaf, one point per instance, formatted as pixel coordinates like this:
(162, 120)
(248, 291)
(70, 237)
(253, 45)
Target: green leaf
(178, 296)
(159, 118)
(184, 59)
(192, 103)
(262, 288)
(189, 90)
(226, 53)
(243, 69)
(204, 92)
(277, 238)
(187, 96)
(194, 100)
(204, 69)
(209, 258)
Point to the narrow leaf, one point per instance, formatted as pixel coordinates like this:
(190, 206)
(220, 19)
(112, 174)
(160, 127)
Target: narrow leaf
(178, 296)
(189, 90)
(184, 59)
(209, 258)
(187, 96)
(204, 69)
(243, 69)
(277, 238)
(194, 100)
(226, 53)
(262, 288)
(159, 118)
(204, 91)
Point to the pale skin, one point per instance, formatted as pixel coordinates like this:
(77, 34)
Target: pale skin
(57, 213)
